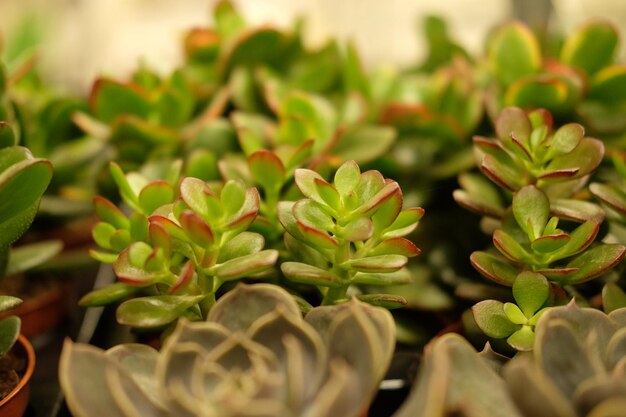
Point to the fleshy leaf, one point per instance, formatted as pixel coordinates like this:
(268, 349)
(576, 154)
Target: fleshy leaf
(246, 265)
(309, 274)
(155, 311)
(530, 290)
(492, 320)
(531, 209)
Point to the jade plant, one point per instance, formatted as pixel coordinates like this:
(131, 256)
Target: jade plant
(540, 253)
(350, 231)
(182, 240)
(579, 80)
(254, 355)
(576, 369)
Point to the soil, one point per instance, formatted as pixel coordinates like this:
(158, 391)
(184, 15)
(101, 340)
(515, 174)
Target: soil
(12, 368)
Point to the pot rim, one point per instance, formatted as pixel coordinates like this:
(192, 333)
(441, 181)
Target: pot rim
(30, 368)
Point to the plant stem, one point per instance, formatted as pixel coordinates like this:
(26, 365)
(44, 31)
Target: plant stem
(333, 295)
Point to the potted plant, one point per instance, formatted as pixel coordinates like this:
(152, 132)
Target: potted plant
(18, 362)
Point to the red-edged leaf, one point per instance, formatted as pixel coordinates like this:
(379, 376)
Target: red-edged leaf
(358, 230)
(267, 169)
(559, 275)
(404, 224)
(316, 237)
(154, 195)
(513, 121)
(133, 275)
(198, 231)
(328, 194)
(382, 263)
(308, 274)
(245, 266)
(109, 213)
(347, 177)
(509, 247)
(494, 268)
(396, 246)
(159, 237)
(389, 191)
(313, 214)
(595, 261)
(550, 243)
(248, 212)
(172, 228)
(183, 278)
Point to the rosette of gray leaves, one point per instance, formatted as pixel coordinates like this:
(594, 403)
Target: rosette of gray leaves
(254, 356)
(577, 368)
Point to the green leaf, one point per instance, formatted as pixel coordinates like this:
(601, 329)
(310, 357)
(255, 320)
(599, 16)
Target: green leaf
(124, 187)
(328, 194)
(530, 290)
(591, 47)
(110, 99)
(502, 170)
(612, 196)
(613, 297)
(513, 122)
(365, 143)
(405, 222)
(595, 261)
(195, 193)
(308, 274)
(21, 187)
(246, 266)
(267, 170)
(245, 243)
(154, 195)
(381, 263)
(155, 311)
(552, 92)
(316, 237)
(107, 295)
(579, 239)
(397, 245)
(26, 257)
(9, 332)
(514, 314)
(312, 214)
(358, 230)
(196, 229)
(347, 178)
(391, 190)
(8, 302)
(132, 272)
(509, 247)
(309, 183)
(607, 86)
(494, 268)
(531, 209)
(550, 243)
(513, 52)
(399, 277)
(7, 135)
(522, 339)
(109, 213)
(492, 320)
(233, 197)
(584, 159)
(387, 301)
(566, 138)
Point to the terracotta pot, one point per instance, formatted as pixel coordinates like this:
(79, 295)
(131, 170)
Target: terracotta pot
(14, 404)
(40, 313)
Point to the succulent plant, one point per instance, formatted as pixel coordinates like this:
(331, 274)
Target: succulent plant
(527, 152)
(530, 239)
(349, 232)
(9, 326)
(182, 242)
(576, 369)
(254, 355)
(581, 81)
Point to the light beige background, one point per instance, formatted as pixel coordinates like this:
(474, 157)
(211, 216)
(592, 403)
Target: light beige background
(88, 37)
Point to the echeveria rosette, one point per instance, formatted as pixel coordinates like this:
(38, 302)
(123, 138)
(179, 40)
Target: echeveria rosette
(255, 355)
(183, 249)
(515, 321)
(576, 369)
(349, 232)
(531, 240)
